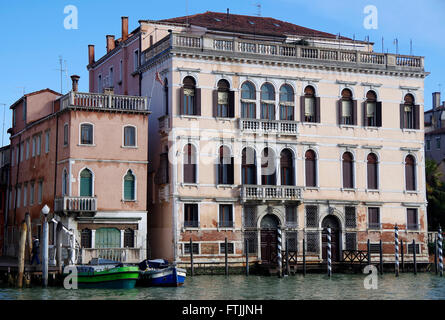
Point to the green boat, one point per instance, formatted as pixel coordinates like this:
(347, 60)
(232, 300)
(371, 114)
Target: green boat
(107, 276)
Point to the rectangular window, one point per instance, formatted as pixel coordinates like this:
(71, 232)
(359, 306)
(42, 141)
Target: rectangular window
(111, 84)
(14, 116)
(412, 219)
(371, 108)
(248, 110)
(39, 144)
(374, 218)
(22, 151)
(47, 141)
(40, 192)
(225, 216)
(309, 109)
(191, 215)
(25, 194)
(311, 216)
(34, 141)
(187, 248)
(291, 216)
(346, 116)
(17, 154)
(120, 70)
(136, 60)
(351, 221)
(31, 194)
(410, 248)
(267, 111)
(438, 143)
(19, 191)
(351, 241)
(222, 248)
(99, 85)
(428, 145)
(129, 136)
(286, 112)
(65, 134)
(86, 134)
(85, 238)
(27, 149)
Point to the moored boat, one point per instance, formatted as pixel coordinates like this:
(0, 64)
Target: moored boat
(159, 273)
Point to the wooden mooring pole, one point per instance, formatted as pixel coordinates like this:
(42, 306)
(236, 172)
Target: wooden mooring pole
(226, 260)
(287, 256)
(192, 271)
(246, 246)
(381, 257)
(304, 257)
(21, 255)
(29, 235)
(414, 257)
(369, 252)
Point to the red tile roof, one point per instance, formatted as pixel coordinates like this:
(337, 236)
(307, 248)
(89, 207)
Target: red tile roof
(249, 24)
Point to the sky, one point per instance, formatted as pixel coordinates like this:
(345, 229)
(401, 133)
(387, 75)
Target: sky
(34, 34)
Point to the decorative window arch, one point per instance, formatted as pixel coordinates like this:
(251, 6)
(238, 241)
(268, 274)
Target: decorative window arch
(225, 166)
(372, 171)
(129, 191)
(267, 101)
(86, 186)
(287, 168)
(130, 136)
(409, 113)
(372, 110)
(249, 166)
(310, 159)
(248, 100)
(190, 164)
(287, 102)
(347, 108)
(410, 173)
(348, 170)
(268, 169)
(190, 102)
(223, 100)
(310, 105)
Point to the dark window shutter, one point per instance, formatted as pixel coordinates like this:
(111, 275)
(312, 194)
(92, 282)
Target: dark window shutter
(402, 113)
(339, 111)
(181, 100)
(231, 104)
(230, 173)
(378, 112)
(215, 103)
(416, 116)
(372, 176)
(302, 108)
(310, 173)
(354, 112)
(198, 101)
(365, 123)
(317, 109)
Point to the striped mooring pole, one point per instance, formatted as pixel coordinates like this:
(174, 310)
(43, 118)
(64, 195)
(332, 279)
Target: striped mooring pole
(329, 253)
(280, 259)
(439, 240)
(396, 244)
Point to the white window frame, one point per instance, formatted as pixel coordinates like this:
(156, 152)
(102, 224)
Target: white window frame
(135, 136)
(34, 142)
(47, 138)
(80, 135)
(25, 194)
(39, 144)
(31, 193)
(233, 215)
(199, 216)
(136, 58)
(40, 191)
(135, 187)
(18, 195)
(27, 149)
(92, 178)
(65, 134)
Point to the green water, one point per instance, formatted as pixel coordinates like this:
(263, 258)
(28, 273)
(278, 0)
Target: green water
(313, 286)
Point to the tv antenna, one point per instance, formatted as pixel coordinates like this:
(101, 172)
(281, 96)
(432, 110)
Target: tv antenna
(62, 70)
(258, 5)
(396, 42)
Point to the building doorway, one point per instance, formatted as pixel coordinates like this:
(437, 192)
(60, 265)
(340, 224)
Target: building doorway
(334, 224)
(269, 226)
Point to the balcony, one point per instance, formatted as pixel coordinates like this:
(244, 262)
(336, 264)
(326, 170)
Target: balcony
(282, 52)
(103, 102)
(75, 204)
(124, 255)
(263, 126)
(270, 193)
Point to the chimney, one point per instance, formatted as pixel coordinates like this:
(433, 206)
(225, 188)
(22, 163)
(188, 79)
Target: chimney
(75, 80)
(90, 53)
(124, 28)
(436, 100)
(110, 43)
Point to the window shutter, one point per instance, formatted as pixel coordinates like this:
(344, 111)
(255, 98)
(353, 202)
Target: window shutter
(416, 116)
(372, 176)
(198, 101)
(317, 109)
(364, 114)
(215, 103)
(339, 111)
(230, 173)
(378, 112)
(231, 104)
(354, 112)
(402, 113)
(181, 101)
(310, 173)
(302, 108)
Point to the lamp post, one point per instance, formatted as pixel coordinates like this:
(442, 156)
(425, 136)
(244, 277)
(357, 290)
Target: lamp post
(45, 211)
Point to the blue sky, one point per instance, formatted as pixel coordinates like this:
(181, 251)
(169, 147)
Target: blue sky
(34, 35)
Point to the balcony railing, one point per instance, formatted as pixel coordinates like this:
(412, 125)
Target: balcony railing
(263, 193)
(103, 102)
(291, 51)
(262, 126)
(75, 204)
(125, 255)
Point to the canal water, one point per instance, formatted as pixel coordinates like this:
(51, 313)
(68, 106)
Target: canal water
(237, 287)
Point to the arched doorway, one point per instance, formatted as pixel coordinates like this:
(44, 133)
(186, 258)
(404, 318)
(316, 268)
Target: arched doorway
(269, 226)
(334, 224)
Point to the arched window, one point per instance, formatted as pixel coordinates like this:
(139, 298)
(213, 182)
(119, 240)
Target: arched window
(248, 166)
(190, 163)
(225, 166)
(372, 171)
(372, 110)
(310, 168)
(268, 174)
(286, 168)
(410, 173)
(129, 238)
(165, 96)
(129, 136)
(86, 133)
(409, 113)
(190, 104)
(248, 100)
(346, 109)
(129, 186)
(223, 100)
(85, 238)
(86, 183)
(310, 106)
(64, 183)
(267, 102)
(348, 170)
(286, 102)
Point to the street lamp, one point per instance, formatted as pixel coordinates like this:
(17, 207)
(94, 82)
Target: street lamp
(45, 211)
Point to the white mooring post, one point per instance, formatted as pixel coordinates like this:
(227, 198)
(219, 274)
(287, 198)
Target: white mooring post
(439, 240)
(280, 261)
(45, 211)
(396, 244)
(329, 253)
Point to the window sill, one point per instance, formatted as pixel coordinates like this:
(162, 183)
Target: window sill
(191, 117)
(226, 186)
(190, 228)
(135, 201)
(189, 185)
(374, 230)
(372, 190)
(86, 145)
(129, 147)
(225, 228)
(371, 128)
(348, 126)
(411, 192)
(410, 130)
(310, 124)
(348, 189)
(312, 188)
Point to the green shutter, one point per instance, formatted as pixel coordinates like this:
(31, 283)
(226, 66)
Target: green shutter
(107, 238)
(86, 183)
(129, 186)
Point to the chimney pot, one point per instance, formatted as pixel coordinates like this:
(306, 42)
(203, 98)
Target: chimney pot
(110, 43)
(124, 28)
(90, 54)
(436, 100)
(75, 80)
